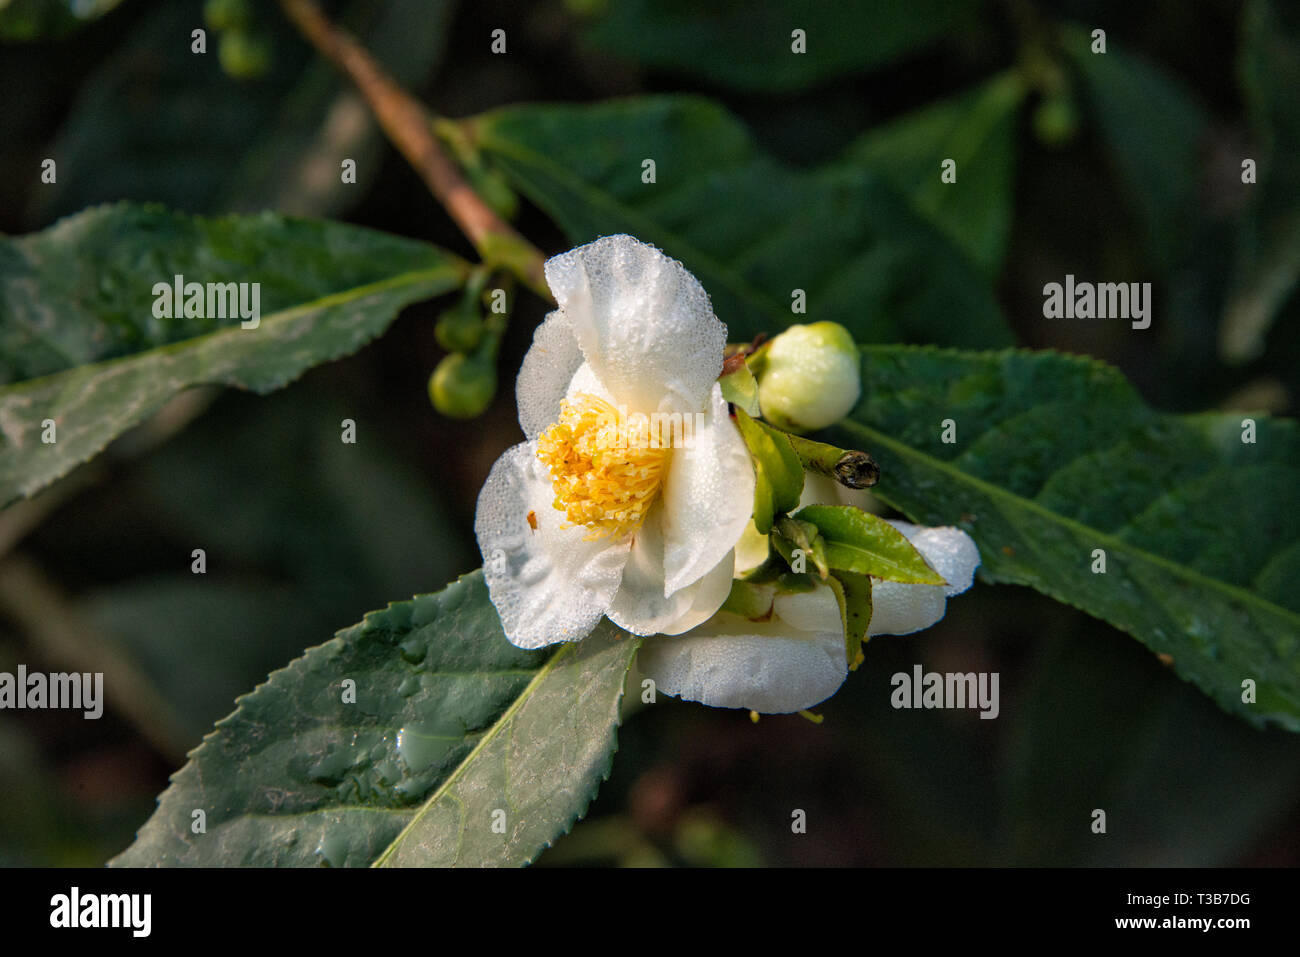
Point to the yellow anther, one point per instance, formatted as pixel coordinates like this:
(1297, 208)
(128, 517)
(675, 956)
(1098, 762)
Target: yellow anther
(605, 476)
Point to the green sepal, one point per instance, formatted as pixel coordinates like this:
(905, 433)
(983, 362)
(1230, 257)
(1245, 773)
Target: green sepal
(789, 534)
(752, 600)
(857, 541)
(795, 582)
(777, 469)
(853, 592)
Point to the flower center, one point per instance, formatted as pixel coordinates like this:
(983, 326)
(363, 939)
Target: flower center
(603, 470)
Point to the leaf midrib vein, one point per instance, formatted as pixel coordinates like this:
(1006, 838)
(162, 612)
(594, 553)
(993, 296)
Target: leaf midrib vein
(995, 491)
(498, 726)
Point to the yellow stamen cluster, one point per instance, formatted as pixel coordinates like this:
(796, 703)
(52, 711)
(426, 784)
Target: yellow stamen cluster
(603, 477)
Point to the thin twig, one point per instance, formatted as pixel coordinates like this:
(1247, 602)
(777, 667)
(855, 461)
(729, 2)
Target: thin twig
(409, 126)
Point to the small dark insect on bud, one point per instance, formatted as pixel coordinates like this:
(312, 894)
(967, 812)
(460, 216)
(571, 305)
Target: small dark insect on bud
(857, 470)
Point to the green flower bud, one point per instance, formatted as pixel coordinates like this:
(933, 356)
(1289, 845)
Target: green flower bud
(460, 328)
(226, 14)
(244, 56)
(1056, 121)
(462, 386)
(811, 377)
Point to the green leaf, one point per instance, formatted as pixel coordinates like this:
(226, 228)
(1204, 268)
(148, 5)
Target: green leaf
(857, 541)
(1155, 130)
(749, 46)
(751, 229)
(276, 143)
(1267, 266)
(81, 334)
(977, 130)
(1057, 457)
(778, 473)
(48, 19)
(451, 723)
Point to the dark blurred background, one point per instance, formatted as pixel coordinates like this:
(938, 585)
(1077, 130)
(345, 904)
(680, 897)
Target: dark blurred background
(301, 540)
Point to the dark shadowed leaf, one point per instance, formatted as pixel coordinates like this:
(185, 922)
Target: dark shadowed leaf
(749, 45)
(749, 228)
(1057, 458)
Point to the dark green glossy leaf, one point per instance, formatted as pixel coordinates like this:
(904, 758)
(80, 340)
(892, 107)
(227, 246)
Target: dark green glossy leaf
(451, 724)
(80, 343)
(749, 45)
(749, 228)
(977, 130)
(158, 123)
(1057, 457)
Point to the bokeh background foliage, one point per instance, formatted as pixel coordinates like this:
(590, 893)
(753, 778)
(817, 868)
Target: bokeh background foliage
(1123, 167)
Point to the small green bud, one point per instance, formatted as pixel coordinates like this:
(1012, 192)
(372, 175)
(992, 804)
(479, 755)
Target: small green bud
(462, 386)
(811, 377)
(460, 328)
(226, 14)
(243, 55)
(1056, 122)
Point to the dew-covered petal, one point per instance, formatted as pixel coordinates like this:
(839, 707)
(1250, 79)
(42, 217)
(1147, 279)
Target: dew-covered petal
(708, 496)
(899, 609)
(548, 585)
(640, 605)
(949, 550)
(546, 373)
(644, 323)
(771, 666)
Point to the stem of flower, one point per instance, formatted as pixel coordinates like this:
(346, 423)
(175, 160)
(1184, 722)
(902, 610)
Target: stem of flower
(850, 468)
(409, 127)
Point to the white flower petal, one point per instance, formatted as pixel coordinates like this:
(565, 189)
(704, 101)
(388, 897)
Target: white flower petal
(640, 605)
(949, 550)
(710, 592)
(548, 585)
(899, 609)
(708, 497)
(772, 667)
(546, 373)
(644, 323)
(584, 381)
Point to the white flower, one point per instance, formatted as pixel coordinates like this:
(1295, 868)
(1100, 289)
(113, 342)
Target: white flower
(797, 658)
(593, 515)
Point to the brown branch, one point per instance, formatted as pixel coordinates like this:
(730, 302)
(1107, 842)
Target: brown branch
(409, 126)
